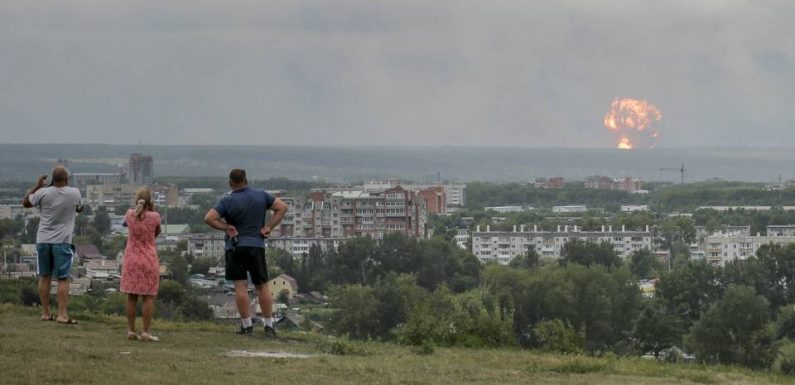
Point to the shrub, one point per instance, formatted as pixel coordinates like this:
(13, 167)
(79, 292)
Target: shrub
(557, 336)
(785, 362)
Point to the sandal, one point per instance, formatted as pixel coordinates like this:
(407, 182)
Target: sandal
(132, 336)
(146, 337)
(68, 321)
(48, 318)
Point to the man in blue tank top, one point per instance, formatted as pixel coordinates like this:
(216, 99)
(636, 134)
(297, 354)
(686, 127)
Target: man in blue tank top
(243, 211)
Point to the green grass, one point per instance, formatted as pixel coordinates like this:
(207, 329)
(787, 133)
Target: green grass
(96, 352)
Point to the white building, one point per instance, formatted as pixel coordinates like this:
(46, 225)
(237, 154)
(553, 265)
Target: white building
(746, 208)
(298, 246)
(722, 248)
(510, 209)
(110, 195)
(570, 209)
(781, 230)
(206, 245)
(633, 208)
(503, 246)
(12, 211)
(461, 238)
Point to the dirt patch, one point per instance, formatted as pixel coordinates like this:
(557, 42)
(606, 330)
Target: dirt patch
(265, 354)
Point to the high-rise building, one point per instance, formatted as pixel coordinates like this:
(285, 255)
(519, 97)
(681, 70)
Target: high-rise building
(434, 199)
(141, 169)
(354, 213)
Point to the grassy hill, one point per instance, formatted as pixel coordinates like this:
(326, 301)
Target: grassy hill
(96, 352)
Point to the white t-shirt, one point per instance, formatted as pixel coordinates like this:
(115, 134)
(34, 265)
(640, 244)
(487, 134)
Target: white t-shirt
(58, 206)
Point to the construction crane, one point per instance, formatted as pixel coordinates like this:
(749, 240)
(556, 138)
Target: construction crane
(681, 172)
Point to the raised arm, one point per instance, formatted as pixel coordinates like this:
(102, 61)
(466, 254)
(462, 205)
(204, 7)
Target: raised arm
(279, 209)
(26, 203)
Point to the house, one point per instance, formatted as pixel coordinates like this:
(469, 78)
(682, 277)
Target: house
(77, 286)
(102, 268)
(283, 285)
(86, 252)
(164, 270)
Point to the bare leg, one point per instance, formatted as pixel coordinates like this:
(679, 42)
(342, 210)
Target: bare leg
(44, 296)
(242, 299)
(63, 299)
(149, 309)
(132, 302)
(265, 300)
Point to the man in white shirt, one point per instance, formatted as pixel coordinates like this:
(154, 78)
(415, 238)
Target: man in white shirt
(58, 205)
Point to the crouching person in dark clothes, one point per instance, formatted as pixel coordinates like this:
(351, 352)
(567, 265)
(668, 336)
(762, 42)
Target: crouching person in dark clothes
(243, 211)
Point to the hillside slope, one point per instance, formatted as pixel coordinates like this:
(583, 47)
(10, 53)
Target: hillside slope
(96, 352)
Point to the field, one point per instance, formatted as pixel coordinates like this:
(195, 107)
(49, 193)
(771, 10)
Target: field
(96, 352)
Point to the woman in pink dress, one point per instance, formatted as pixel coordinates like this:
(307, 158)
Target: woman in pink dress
(140, 275)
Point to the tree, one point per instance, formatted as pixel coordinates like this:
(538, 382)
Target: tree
(171, 291)
(528, 260)
(589, 253)
(356, 311)
(734, 331)
(655, 329)
(677, 229)
(642, 263)
(558, 336)
(102, 221)
(281, 261)
(179, 269)
(202, 265)
(689, 291)
(777, 265)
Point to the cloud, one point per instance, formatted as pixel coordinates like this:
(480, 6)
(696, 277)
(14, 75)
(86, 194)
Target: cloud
(506, 73)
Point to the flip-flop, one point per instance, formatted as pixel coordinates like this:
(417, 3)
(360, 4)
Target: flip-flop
(52, 318)
(68, 321)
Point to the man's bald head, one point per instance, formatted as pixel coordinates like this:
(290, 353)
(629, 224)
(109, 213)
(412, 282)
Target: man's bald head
(60, 175)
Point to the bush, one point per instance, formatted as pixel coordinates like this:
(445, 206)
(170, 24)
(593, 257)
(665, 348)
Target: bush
(557, 336)
(425, 349)
(785, 362)
(342, 347)
(462, 320)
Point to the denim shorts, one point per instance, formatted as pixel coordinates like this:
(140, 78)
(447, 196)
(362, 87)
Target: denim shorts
(55, 256)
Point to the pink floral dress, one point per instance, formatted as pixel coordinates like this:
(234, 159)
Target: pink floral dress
(140, 272)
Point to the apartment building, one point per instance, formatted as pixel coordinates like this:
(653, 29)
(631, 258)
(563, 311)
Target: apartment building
(140, 169)
(83, 179)
(206, 245)
(110, 195)
(628, 184)
(504, 246)
(721, 248)
(354, 213)
(454, 193)
(298, 246)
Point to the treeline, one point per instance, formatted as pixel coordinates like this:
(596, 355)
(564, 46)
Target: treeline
(221, 184)
(661, 197)
(690, 196)
(486, 194)
(757, 220)
(429, 293)
(365, 261)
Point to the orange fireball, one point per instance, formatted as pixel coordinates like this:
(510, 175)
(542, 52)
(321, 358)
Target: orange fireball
(633, 121)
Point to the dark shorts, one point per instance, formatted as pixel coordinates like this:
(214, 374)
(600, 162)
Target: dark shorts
(57, 257)
(242, 260)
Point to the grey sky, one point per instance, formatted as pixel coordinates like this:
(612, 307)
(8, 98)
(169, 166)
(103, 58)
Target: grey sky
(432, 72)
